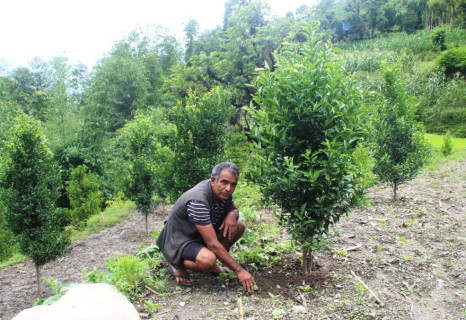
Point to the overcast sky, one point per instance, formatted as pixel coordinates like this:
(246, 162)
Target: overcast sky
(84, 30)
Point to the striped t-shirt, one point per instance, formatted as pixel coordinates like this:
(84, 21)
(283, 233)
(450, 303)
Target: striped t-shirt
(199, 214)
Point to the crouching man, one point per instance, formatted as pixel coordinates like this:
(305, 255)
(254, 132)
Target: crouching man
(203, 225)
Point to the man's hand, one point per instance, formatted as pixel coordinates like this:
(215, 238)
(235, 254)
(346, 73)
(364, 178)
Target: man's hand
(229, 225)
(246, 280)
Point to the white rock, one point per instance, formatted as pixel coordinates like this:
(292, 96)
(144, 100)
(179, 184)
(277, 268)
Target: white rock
(96, 301)
(299, 309)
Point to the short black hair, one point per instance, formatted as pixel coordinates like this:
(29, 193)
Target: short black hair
(233, 168)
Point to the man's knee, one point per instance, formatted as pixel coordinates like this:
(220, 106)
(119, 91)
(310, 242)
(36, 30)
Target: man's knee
(240, 227)
(206, 259)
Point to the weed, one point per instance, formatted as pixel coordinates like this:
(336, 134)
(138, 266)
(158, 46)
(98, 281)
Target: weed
(151, 306)
(402, 239)
(360, 288)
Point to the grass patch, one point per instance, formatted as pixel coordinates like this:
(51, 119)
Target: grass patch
(114, 214)
(437, 159)
(436, 140)
(14, 259)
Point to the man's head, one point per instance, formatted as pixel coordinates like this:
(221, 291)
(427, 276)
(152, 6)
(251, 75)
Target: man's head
(224, 180)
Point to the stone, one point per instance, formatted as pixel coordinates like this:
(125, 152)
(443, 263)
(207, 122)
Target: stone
(86, 301)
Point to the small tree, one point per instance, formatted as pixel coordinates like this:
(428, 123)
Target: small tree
(447, 146)
(200, 138)
(84, 193)
(398, 144)
(31, 185)
(308, 125)
(149, 159)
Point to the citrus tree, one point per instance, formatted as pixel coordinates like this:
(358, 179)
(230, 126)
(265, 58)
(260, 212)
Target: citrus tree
(30, 188)
(201, 137)
(308, 124)
(148, 157)
(398, 144)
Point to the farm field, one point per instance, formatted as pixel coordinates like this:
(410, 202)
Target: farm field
(410, 254)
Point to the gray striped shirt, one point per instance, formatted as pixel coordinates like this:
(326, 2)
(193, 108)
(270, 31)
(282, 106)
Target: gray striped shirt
(199, 214)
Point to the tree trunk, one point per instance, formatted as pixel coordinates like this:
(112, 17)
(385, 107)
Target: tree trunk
(39, 281)
(147, 227)
(307, 262)
(395, 187)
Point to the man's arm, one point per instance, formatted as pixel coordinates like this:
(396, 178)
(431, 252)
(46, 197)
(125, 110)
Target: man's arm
(210, 237)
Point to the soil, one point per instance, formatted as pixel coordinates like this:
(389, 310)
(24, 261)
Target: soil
(408, 253)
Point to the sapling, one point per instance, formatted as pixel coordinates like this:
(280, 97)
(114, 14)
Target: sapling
(308, 124)
(31, 183)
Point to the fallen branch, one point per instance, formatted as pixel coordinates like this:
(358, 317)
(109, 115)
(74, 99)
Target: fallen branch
(359, 245)
(303, 299)
(368, 289)
(152, 290)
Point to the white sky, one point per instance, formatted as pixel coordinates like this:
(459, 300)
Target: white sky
(84, 30)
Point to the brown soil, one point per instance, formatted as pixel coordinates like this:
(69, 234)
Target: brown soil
(409, 253)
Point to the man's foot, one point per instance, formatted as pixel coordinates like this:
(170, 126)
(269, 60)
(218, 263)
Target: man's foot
(219, 269)
(181, 276)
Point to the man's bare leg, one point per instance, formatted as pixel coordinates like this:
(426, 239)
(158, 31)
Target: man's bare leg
(206, 261)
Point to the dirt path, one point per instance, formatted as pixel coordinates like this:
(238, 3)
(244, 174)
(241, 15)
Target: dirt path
(410, 253)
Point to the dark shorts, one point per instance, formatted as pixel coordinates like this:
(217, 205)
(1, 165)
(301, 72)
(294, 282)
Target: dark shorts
(191, 251)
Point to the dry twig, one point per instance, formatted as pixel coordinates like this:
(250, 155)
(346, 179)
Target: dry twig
(368, 289)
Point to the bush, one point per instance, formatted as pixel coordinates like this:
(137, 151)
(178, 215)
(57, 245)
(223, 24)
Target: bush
(447, 147)
(84, 194)
(439, 36)
(398, 142)
(453, 61)
(308, 122)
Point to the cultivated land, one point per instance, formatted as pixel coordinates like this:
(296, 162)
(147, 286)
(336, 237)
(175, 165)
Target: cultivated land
(409, 253)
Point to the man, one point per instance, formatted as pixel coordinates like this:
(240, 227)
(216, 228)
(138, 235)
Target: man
(203, 225)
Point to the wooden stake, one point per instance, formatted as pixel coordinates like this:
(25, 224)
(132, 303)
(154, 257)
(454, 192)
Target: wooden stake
(240, 309)
(368, 289)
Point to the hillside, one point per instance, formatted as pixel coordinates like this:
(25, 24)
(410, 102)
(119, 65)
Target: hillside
(410, 253)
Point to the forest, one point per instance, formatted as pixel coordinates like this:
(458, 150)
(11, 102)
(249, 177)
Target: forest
(315, 108)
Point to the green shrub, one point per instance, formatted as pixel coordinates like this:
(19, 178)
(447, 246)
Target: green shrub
(84, 193)
(453, 61)
(307, 125)
(447, 146)
(398, 142)
(129, 274)
(439, 36)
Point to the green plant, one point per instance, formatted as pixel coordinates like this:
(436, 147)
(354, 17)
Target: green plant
(201, 136)
(149, 160)
(439, 36)
(84, 193)
(129, 274)
(30, 182)
(151, 306)
(398, 143)
(453, 61)
(308, 122)
(447, 146)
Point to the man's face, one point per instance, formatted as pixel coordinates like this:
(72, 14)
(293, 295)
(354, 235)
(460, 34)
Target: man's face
(224, 187)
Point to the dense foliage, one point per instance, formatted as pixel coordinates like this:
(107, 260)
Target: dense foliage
(398, 141)
(30, 183)
(84, 193)
(152, 117)
(308, 124)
